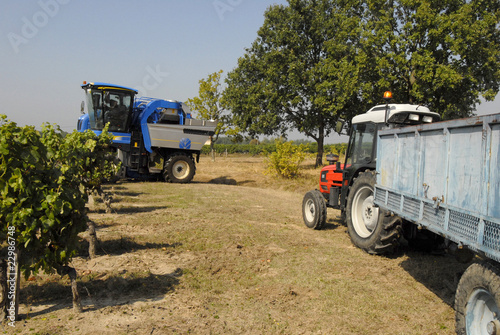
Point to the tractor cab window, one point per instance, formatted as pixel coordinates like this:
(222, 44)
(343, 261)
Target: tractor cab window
(94, 103)
(113, 107)
(361, 144)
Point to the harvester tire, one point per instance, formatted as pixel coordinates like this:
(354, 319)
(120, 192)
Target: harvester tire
(477, 300)
(314, 210)
(370, 228)
(179, 168)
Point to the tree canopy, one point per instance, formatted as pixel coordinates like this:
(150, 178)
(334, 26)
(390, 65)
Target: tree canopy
(208, 103)
(315, 61)
(444, 54)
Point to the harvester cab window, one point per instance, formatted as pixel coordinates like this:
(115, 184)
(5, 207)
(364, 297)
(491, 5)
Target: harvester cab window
(112, 113)
(113, 107)
(95, 109)
(361, 144)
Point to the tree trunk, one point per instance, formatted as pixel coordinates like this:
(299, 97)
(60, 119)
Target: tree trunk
(71, 272)
(91, 201)
(3, 290)
(212, 151)
(92, 238)
(320, 141)
(106, 199)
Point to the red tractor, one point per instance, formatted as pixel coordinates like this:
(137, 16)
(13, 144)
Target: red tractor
(349, 186)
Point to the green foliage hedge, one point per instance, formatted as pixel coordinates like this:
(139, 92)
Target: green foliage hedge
(257, 149)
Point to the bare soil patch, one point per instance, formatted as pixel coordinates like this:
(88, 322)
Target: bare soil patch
(229, 254)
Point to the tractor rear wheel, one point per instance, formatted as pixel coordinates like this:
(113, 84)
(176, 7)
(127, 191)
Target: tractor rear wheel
(179, 168)
(370, 228)
(477, 300)
(314, 210)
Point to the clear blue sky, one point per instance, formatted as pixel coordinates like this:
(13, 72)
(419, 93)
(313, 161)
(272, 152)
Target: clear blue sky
(161, 47)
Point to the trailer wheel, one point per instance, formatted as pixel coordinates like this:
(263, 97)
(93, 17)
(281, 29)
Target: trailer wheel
(314, 210)
(369, 227)
(179, 168)
(477, 300)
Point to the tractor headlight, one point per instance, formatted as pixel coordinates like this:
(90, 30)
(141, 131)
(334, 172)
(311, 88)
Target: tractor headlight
(413, 117)
(427, 119)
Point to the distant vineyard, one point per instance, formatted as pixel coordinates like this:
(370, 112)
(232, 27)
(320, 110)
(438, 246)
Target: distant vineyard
(257, 149)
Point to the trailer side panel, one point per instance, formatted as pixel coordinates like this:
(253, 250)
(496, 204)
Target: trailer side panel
(444, 176)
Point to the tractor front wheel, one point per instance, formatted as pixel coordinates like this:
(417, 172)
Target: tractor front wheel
(314, 210)
(370, 228)
(179, 168)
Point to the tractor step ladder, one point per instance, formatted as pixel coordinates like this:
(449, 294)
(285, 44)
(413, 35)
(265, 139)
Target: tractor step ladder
(136, 150)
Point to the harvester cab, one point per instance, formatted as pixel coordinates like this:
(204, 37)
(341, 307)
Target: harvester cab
(111, 104)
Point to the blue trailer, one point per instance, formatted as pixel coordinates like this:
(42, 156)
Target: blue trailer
(444, 177)
(409, 178)
(153, 138)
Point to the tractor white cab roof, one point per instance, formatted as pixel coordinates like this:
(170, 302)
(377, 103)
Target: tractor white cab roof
(397, 114)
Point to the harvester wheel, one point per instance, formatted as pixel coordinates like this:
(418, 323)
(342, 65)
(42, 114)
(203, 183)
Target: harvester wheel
(370, 228)
(179, 168)
(477, 300)
(314, 210)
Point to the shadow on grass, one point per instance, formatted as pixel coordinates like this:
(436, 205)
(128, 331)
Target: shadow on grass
(115, 290)
(121, 246)
(225, 180)
(127, 210)
(333, 223)
(438, 273)
(137, 209)
(112, 186)
(100, 226)
(115, 191)
(125, 194)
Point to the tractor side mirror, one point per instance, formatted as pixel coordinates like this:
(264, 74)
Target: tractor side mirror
(332, 158)
(339, 126)
(82, 107)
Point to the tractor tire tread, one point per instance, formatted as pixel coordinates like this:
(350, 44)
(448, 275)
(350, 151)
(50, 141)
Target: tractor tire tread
(387, 238)
(319, 220)
(483, 275)
(170, 159)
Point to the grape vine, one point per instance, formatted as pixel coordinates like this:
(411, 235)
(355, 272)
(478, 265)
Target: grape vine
(45, 177)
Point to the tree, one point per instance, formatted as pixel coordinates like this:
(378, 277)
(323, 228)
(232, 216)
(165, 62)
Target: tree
(444, 54)
(210, 104)
(294, 76)
(315, 61)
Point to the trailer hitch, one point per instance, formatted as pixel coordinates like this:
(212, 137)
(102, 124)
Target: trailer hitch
(437, 201)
